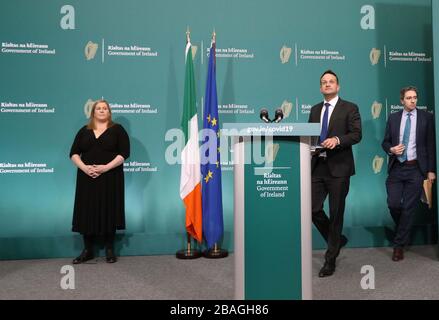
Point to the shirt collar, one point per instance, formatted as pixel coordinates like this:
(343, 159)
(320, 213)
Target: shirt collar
(332, 102)
(404, 112)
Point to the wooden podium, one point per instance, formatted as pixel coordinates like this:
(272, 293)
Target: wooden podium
(272, 209)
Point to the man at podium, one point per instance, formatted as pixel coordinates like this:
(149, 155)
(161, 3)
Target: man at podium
(332, 164)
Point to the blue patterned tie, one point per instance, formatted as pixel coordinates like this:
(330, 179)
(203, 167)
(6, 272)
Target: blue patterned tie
(405, 138)
(324, 132)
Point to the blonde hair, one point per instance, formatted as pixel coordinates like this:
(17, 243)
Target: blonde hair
(91, 123)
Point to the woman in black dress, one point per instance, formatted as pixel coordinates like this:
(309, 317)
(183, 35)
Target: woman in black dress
(99, 150)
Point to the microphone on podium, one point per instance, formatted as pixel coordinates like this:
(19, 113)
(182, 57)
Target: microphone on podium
(263, 114)
(278, 115)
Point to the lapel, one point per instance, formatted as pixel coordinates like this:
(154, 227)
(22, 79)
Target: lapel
(318, 113)
(396, 128)
(338, 109)
(419, 125)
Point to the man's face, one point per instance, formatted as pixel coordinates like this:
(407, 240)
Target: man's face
(329, 85)
(410, 100)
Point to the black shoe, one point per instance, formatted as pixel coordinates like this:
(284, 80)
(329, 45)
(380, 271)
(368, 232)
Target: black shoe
(398, 254)
(328, 269)
(84, 256)
(110, 257)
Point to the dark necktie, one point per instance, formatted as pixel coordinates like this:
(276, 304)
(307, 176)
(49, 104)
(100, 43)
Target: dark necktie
(324, 132)
(406, 138)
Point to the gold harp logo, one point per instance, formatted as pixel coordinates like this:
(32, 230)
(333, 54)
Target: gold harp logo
(286, 108)
(377, 164)
(194, 51)
(271, 151)
(376, 109)
(90, 50)
(374, 56)
(87, 108)
(285, 54)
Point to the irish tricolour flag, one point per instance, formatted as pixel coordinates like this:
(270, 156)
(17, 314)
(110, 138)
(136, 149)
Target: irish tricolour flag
(190, 181)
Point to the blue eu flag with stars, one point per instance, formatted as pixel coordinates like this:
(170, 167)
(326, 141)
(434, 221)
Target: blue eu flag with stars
(213, 227)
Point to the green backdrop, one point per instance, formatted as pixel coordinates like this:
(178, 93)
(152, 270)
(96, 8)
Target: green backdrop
(57, 55)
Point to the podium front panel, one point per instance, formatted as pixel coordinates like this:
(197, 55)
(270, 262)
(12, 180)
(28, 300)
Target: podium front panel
(272, 222)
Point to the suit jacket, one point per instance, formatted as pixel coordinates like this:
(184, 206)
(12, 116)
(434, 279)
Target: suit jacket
(425, 140)
(345, 123)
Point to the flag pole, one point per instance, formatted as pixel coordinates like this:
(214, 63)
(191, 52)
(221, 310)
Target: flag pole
(216, 252)
(189, 252)
(188, 35)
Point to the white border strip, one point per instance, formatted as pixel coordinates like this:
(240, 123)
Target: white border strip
(239, 219)
(306, 217)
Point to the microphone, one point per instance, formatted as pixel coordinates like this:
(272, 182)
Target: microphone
(278, 115)
(264, 115)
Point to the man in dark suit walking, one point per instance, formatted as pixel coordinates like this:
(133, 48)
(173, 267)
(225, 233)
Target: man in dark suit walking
(410, 142)
(333, 164)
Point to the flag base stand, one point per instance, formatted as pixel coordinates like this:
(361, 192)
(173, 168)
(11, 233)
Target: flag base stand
(188, 254)
(215, 253)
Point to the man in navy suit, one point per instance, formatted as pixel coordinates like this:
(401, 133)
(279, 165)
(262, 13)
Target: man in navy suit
(333, 165)
(410, 142)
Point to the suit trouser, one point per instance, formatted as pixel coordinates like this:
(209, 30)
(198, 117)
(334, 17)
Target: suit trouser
(404, 190)
(89, 241)
(337, 188)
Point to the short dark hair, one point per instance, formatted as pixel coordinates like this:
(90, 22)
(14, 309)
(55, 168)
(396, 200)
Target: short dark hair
(405, 89)
(328, 72)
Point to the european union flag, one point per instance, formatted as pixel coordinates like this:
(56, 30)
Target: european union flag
(212, 203)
